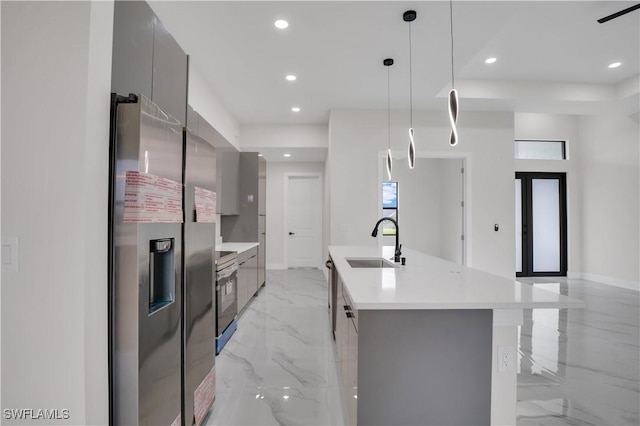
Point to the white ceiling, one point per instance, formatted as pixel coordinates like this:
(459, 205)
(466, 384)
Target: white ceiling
(552, 56)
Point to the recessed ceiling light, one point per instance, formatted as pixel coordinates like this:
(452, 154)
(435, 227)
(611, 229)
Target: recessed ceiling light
(615, 65)
(490, 60)
(287, 155)
(291, 77)
(295, 109)
(281, 23)
(259, 155)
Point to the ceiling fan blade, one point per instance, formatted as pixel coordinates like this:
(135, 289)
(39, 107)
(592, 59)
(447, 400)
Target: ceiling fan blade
(620, 13)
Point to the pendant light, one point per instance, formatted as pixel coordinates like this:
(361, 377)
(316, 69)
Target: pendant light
(387, 63)
(410, 16)
(453, 94)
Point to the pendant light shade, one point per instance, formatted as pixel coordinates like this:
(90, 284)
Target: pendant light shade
(453, 94)
(387, 63)
(453, 116)
(411, 154)
(410, 16)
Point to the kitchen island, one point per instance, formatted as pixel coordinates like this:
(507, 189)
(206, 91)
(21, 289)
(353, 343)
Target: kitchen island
(429, 343)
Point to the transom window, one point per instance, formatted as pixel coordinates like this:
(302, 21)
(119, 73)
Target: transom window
(540, 150)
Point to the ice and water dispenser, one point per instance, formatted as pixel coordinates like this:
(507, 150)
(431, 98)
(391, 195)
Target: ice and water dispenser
(161, 274)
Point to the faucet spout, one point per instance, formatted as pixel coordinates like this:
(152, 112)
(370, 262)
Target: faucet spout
(374, 233)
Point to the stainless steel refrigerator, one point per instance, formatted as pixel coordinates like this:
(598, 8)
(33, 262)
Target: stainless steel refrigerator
(199, 279)
(162, 271)
(145, 270)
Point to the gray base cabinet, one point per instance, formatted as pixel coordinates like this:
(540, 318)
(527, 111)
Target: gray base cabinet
(247, 279)
(426, 367)
(252, 267)
(262, 240)
(242, 281)
(347, 349)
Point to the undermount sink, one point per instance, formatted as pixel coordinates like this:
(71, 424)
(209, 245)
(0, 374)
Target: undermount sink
(369, 262)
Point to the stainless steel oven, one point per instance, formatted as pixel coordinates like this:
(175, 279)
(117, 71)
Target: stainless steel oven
(226, 296)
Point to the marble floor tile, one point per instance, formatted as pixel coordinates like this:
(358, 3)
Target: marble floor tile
(279, 368)
(576, 367)
(580, 366)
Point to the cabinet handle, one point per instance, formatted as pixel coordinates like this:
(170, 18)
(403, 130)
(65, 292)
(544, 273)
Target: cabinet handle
(347, 307)
(349, 315)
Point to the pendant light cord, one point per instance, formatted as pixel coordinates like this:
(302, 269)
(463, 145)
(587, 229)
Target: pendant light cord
(389, 107)
(453, 81)
(410, 81)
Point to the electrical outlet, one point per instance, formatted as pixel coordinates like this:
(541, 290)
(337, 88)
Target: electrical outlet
(506, 358)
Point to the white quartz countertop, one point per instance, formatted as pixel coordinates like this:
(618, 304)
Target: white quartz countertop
(427, 282)
(238, 247)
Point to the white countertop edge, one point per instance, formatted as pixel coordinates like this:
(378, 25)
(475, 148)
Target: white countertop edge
(363, 285)
(237, 247)
(487, 305)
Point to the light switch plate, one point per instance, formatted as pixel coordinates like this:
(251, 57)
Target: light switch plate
(10, 254)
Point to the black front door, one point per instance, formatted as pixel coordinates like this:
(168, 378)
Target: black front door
(541, 224)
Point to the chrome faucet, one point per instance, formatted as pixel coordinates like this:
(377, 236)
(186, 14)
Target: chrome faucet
(398, 253)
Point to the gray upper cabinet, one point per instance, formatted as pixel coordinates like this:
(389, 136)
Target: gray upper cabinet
(228, 182)
(262, 186)
(249, 187)
(132, 63)
(147, 60)
(244, 226)
(169, 88)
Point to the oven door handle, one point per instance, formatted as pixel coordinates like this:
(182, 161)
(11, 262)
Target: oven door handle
(227, 272)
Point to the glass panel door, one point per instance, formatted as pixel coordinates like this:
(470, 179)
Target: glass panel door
(518, 225)
(545, 210)
(541, 224)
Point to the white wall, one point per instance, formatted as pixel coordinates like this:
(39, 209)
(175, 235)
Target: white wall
(609, 161)
(276, 232)
(558, 127)
(203, 99)
(56, 62)
(284, 135)
(356, 137)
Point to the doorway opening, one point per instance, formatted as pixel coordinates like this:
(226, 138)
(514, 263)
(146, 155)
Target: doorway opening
(429, 205)
(541, 224)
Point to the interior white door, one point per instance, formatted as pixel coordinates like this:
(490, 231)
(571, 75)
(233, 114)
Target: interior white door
(304, 221)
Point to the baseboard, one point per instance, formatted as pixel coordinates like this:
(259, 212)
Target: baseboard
(275, 266)
(616, 282)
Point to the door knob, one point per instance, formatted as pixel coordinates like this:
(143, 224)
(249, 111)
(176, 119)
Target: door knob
(292, 233)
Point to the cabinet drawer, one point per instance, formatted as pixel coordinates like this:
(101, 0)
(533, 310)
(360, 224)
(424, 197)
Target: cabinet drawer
(242, 257)
(351, 308)
(253, 252)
